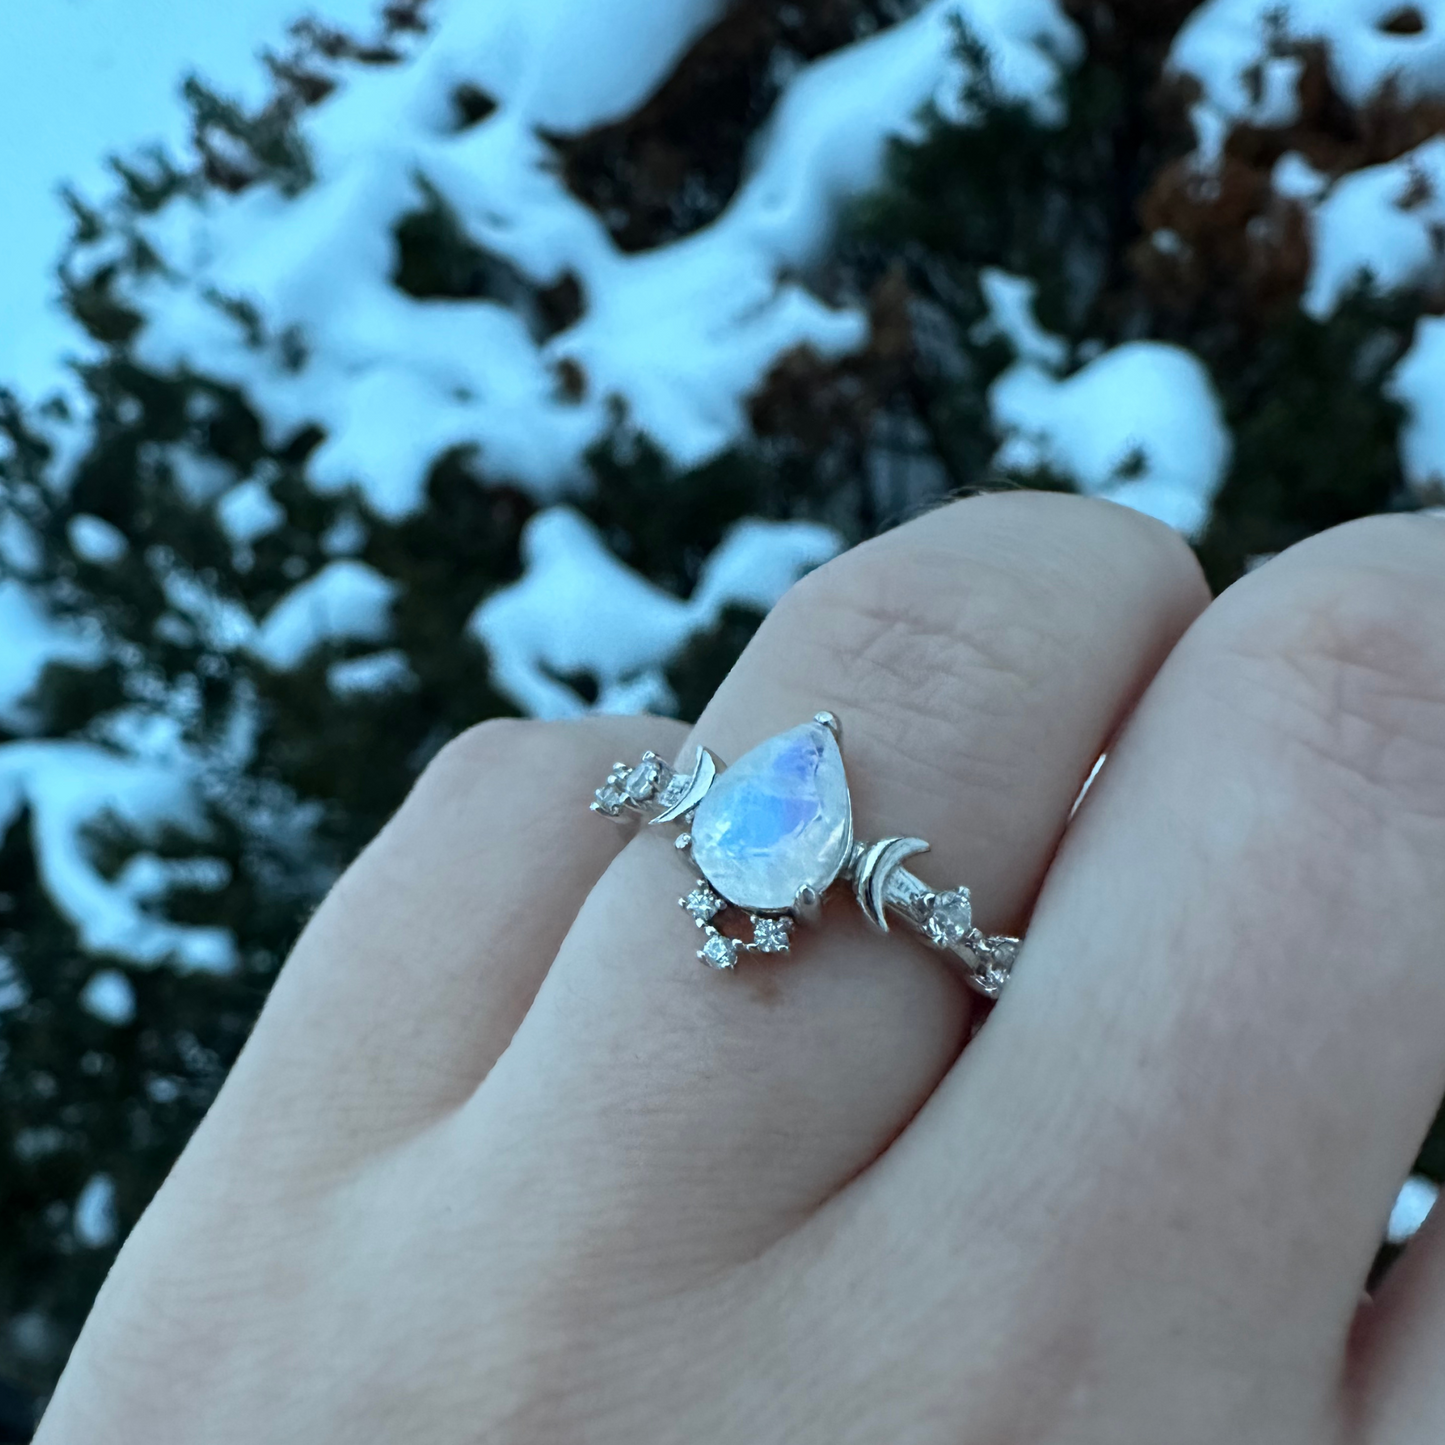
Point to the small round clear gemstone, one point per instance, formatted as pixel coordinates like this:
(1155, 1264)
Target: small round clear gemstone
(611, 800)
(642, 780)
(1002, 953)
(770, 935)
(719, 951)
(950, 920)
(703, 904)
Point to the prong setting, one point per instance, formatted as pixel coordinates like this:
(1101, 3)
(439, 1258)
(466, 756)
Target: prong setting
(703, 904)
(719, 951)
(770, 935)
(808, 906)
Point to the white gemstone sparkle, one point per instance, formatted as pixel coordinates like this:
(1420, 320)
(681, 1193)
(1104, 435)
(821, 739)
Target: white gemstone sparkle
(642, 781)
(719, 951)
(611, 800)
(771, 935)
(703, 904)
(778, 821)
(950, 919)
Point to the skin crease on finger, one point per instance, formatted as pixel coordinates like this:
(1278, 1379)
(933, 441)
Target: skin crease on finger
(1013, 1271)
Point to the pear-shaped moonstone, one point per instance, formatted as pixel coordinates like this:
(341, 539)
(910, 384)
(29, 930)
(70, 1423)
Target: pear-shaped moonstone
(778, 821)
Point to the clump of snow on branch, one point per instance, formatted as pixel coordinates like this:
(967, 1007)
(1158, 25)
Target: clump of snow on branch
(377, 672)
(248, 512)
(71, 788)
(1140, 424)
(579, 611)
(95, 1219)
(1378, 226)
(679, 336)
(95, 540)
(1413, 1206)
(1383, 223)
(1382, 226)
(1245, 56)
(1419, 384)
(109, 997)
(30, 639)
(344, 601)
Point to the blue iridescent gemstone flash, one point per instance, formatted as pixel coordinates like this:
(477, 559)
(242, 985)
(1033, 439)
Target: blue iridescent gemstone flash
(778, 821)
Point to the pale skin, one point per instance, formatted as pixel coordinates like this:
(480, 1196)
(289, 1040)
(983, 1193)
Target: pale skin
(504, 1163)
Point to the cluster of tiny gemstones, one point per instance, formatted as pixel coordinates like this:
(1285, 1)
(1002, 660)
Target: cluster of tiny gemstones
(627, 787)
(704, 903)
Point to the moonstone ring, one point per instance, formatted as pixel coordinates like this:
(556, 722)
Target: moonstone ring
(773, 833)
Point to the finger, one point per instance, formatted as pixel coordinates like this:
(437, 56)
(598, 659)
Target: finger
(978, 659)
(415, 972)
(1223, 1042)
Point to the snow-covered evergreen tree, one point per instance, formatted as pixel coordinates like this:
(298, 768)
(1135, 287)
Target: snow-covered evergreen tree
(519, 356)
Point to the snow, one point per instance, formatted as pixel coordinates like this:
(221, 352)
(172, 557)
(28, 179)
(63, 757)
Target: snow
(1295, 178)
(569, 65)
(29, 639)
(221, 623)
(95, 1220)
(345, 537)
(1010, 302)
(95, 540)
(1237, 51)
(377, 672)
(578, 610)
(71, 786)
(678, 336)
(1380, 225)
(102, 74)
(1140, 424)
(1385, 222)
(19, 547)
(249, 512)
(1419, 384)
(109, 997)
(13, 992)
(1412, 1209)
(345, 601)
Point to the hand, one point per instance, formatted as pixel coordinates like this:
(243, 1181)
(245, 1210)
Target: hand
(502, 1163)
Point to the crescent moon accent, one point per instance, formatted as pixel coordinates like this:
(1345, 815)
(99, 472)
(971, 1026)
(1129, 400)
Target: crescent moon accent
(874, 871)
(703, 775)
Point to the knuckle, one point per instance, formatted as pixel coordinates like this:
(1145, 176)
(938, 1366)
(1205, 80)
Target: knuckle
(916, 643)
(562, 760)
(1344, 663)
(502, 757)
(913, 616)
(477, 756)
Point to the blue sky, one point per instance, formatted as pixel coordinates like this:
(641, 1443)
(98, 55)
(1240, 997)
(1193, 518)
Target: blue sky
(79, 78)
